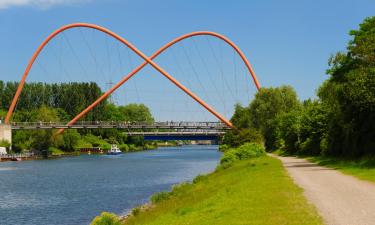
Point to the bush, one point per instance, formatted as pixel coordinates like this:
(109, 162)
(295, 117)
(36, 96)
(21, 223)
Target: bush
(106, 219)
(161, 196)
(249, 150)
(223, 148)
(200, 178)
(55, 151)
(245, 151)
(132, 148)
(180, 188)
(136, 211)
(228, 158)
(149, 146)
(4, 143)
(124, 147)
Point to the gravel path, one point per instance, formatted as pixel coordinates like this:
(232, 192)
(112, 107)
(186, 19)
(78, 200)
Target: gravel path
(340, 199)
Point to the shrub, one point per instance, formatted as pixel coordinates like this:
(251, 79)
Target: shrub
(249, 150)
(223, 148)
(245, 151)
(200, 178)
(228, 158)
(161, 196)
(106, 219)
(124, 147)
(6, 144)
(180, 188)
(55, 151)
(136, 211)
(149, 146)
(132, 148)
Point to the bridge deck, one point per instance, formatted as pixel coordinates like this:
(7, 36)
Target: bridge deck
(135, 128)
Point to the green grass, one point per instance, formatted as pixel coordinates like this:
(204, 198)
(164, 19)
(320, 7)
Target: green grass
(254, 191)
(362, 168)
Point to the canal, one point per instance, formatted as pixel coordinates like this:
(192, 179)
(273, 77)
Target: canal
(73, 190)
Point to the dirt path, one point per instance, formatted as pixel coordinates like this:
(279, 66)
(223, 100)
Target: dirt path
(340, 199)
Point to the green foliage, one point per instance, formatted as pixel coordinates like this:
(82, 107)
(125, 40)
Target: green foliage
(135, 211)
(124, 147)
(200, 178)
(238, 137)
(340, 122)
(71, 138)
(136, 113)
(22, 140)
(55, 151)
(287, 128)
(241, 117)
(4, 143)
(129, 113)
(223, 147)
(133, 148)
(349, 96)
(41, 102)
(267, 105)
(106, 219)
(160, 196)
(228, 159)
(245, 151)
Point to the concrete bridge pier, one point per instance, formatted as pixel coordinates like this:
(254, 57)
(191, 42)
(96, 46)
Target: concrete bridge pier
(6, 133)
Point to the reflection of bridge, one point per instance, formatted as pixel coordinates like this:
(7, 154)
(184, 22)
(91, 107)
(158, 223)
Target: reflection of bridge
(5, 130)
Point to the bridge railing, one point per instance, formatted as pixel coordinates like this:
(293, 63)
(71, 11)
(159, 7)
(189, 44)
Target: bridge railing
(180, 125)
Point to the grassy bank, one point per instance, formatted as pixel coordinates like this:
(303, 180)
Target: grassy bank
(361, 168)
(241, 191)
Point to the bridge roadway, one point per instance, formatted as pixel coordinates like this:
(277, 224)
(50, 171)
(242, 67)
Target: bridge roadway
(135, 128)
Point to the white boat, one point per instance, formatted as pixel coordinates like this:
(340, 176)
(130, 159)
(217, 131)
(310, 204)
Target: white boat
(114, 150)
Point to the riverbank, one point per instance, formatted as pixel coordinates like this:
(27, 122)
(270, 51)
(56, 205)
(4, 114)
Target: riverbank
(251, 191)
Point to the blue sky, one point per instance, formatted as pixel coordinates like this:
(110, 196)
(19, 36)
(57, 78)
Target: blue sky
(287, 42)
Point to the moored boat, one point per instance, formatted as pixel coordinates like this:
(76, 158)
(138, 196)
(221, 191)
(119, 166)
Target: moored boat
(114, 150)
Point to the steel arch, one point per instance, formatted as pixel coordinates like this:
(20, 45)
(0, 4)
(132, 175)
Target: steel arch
(139, 53)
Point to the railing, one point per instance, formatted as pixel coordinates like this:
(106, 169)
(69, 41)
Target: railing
(16, 155)
(129, 125)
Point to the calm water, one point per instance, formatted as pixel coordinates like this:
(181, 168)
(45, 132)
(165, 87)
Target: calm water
(74, 190)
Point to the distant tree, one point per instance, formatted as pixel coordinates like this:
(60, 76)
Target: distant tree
(136, 113)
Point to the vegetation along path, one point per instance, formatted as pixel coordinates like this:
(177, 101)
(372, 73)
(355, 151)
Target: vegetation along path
(340, 199)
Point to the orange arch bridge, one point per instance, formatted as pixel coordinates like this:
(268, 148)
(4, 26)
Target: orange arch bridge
(147, 60)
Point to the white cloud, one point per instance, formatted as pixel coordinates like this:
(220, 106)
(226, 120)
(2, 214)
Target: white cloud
(38, 3)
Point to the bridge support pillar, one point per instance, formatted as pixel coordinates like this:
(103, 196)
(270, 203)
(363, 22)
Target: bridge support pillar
(6, 133)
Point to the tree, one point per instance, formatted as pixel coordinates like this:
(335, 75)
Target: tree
(267, 105)
(43, 139)
(349, 95)
(70, 139)
(136, 113)
(241, 117)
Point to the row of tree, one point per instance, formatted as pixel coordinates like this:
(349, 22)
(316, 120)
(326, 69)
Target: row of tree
(71, 98)
(61, 102)
(340, 121)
